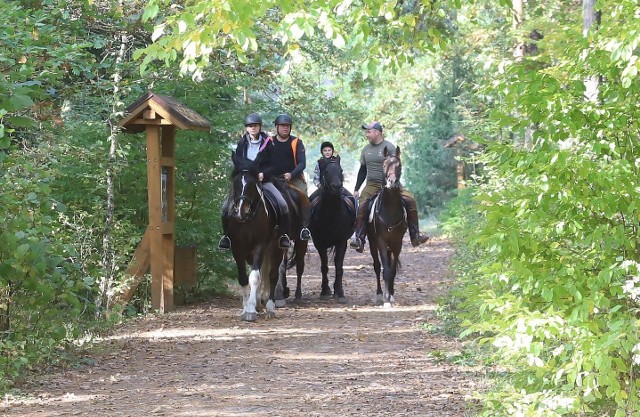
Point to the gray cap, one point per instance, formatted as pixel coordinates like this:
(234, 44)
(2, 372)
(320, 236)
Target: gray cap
(373, 125)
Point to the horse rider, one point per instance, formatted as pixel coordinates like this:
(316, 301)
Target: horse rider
(249, 146)
(285, 159)
(371, 161)
(327, 152)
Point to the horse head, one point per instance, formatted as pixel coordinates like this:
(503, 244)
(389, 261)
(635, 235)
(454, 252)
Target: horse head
(244, 184)
(331, 174)
(392, 168)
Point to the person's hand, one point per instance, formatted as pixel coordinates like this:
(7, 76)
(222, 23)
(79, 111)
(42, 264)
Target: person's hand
(260, 176)
(287, 176)
(356, 194)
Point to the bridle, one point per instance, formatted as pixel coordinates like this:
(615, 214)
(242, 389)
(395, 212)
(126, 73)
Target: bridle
(251, 201)
(323, 174)
(392, 168)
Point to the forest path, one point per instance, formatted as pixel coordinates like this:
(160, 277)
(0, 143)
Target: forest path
(316, 358)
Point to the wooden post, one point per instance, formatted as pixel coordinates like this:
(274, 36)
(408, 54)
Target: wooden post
(168, 240)
(158, 116)
(460, 170)
(155, 216)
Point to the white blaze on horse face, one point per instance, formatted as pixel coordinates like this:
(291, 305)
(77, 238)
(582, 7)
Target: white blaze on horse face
(391, 176)
(242, 193)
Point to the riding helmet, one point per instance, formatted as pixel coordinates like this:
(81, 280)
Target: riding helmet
(252, 119)
(283, 119)
(326, 145)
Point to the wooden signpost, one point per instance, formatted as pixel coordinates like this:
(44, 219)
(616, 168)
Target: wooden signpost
(159, 117)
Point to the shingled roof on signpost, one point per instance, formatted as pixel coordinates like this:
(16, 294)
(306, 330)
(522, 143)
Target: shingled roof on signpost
(167, 111)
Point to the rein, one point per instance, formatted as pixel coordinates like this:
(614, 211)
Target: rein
(253, 205)
(377, 219)
(393, 162)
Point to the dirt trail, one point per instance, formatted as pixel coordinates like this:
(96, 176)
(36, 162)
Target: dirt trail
(316, 358)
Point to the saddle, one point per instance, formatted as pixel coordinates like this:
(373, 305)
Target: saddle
(373, 208)
(348, 200)
(272, 203)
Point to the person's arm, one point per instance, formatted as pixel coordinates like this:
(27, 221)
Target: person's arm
(301, 159)
(362, 175)
(239, 148)
(316, 175)
(264, 165)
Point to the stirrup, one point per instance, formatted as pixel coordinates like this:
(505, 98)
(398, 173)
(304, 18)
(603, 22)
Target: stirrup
(305, 234)
(284, 242)
(357, 244)
(225, 242)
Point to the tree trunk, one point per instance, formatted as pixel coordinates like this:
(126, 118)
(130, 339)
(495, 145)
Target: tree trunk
(106, 281)
(518, 17)
(590, 21)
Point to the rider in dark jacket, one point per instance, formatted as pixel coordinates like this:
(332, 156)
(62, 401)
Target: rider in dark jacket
(285, 161)
(249, 146)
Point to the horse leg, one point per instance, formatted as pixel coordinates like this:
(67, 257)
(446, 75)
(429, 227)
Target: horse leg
(281, 290)
(389, 273)
(250, 312)
(373, 248)
(243, 280)
(275, 262)
(301, 250)
(325, 292)
(338, 261)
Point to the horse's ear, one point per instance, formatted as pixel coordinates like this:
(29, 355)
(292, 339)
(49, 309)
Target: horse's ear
(337, 158)
(234, 157)
(398, 151)
(385, 152)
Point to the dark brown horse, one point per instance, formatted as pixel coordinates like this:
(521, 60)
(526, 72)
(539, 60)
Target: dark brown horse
(332, 222)
(251, 229)
(388, 226)
(294, 197)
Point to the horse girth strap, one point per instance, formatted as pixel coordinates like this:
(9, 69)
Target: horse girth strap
(374, 215)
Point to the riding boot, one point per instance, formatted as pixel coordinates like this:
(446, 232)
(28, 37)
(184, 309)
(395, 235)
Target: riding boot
(361, 229)
(305, 214)
(283, 224)
(417, 238)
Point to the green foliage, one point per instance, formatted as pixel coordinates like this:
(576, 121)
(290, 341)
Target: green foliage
(388, 32)
(42, 291)
(553, 288)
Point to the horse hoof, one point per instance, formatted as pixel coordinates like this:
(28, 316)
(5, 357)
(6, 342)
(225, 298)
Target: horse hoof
(387, 306)
(281, 303)
(270, 315)
(298, 295)
(325, 297)
(249, 317)
(342, 300)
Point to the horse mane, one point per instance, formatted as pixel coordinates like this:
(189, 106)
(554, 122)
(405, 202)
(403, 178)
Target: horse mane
(243, 164)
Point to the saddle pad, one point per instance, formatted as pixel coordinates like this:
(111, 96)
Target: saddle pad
(373, 208)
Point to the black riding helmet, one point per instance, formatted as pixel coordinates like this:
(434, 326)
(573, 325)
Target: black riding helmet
(326, 145)
(252, 119)
(283, 119)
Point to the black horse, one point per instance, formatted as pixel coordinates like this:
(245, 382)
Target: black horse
(251, 229)
(388, 226)
(332, 223)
